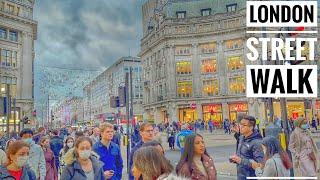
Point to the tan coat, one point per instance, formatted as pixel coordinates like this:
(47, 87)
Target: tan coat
(302, 146)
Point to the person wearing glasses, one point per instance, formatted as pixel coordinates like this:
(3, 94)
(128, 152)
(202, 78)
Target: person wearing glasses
(147, 134)
(249, 148)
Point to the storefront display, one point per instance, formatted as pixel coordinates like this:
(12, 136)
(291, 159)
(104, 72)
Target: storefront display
(236, 108)
(212, 112)
(188, 115)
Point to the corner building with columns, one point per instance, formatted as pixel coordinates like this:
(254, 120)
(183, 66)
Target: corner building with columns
(193, 54)
(18, 32)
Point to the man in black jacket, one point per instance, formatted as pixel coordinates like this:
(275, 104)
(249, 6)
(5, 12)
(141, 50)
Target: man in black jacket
(249, 148)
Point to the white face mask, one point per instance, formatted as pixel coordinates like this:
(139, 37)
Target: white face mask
(70, 144)
(85, 154)
(22, 161)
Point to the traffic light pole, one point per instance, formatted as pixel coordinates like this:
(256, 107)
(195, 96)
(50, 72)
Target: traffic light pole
(127, 112)
(8, 108)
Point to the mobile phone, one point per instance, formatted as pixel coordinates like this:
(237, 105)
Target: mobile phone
(112, 171)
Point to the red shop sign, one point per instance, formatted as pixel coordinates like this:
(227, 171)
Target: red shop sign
(318, 105)
(239, 107)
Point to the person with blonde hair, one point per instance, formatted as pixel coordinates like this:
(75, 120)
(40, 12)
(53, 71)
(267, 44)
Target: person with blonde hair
(304, 150)
(109, 153)
(150, 164)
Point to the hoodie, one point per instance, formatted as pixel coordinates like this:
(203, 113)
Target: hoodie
(249, 149)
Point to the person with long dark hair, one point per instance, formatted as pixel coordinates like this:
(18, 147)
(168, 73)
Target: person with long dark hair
(51, 169)
(277, 161)
(68, 144)
(195, 162)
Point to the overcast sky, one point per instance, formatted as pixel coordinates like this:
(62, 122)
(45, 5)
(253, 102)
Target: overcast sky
(86, 33)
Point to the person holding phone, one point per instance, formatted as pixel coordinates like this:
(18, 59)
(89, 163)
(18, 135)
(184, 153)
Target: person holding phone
(109, 153)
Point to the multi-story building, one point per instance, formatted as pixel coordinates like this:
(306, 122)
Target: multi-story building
(67, 112)
(98, 93)
(193, 57)
(18, 31)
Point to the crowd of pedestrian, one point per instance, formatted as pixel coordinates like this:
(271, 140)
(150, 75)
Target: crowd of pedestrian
(95, 153)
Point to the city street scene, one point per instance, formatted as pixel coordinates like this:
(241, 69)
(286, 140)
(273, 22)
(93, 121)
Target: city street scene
(152, 90)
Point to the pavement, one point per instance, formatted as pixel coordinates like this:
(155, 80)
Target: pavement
(219, 146)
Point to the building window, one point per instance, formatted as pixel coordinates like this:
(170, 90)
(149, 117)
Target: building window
(231, 7)
(8, 58)
(3, 33)
(184, 88)
(208, 66)
(13, 36)
(183, 67)
(237, 85)
(181, 14)
(182, 50)
(234, 44)
(10, 9)
(235, 63)
(205, 12)
(208, 48)
(210, 87)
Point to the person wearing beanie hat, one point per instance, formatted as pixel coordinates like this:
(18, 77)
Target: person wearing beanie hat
(304, 150)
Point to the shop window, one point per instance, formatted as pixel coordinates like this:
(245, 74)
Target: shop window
(208, 66)
(234, 44)
(208, 48)
(235, 63)
(183, 67)
(237, 85)
(183, 50)
(184, 89)
(188, 115)
(210, 87)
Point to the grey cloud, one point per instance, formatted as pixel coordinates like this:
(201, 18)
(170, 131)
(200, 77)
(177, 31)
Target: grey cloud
(87, 33)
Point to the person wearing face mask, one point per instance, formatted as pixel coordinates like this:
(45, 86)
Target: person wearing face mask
(52, 173)
(17, 168)
(82, 164)
(195, 162)
(304, 150)
(36, 158)
(277, 161)
(68, 144)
